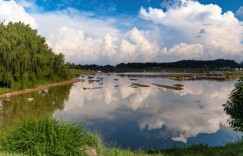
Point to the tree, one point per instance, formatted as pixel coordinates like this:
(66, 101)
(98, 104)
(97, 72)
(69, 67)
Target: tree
(234, 107)
(241, 63)
(26, 59)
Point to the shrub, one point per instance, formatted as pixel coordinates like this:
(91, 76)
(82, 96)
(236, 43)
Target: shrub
(234, 106)
(47, 137)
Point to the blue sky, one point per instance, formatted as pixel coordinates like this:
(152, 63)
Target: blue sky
(108, 7)
(128, 7)
(115, 31)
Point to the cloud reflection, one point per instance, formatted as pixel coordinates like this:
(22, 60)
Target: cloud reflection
(178, 115)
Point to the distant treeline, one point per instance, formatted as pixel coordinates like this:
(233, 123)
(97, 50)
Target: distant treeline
(208, 64)
(25, 58)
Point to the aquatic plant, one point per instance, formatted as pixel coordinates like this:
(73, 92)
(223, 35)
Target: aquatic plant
(175, 87)
(139, 85)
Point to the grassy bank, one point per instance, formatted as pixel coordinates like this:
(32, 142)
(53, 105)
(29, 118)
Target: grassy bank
(73, 73)
(51, 137)
(12, 92)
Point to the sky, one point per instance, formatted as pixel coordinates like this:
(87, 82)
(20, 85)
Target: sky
(114, 31)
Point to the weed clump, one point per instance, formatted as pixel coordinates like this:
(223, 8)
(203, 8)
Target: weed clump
(47, 137)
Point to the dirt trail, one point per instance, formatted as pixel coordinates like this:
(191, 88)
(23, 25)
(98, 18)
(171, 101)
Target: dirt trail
(39, 88)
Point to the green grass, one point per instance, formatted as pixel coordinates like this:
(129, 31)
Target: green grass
(5, 90)
(127, 152)
(77, 72)
(233, 149)
(17, 86)
(233, 74)
(174, 87)
(47, 136)
(139, 85)
(9, 154)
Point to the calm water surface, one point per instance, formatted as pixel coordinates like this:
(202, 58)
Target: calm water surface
(150, 117)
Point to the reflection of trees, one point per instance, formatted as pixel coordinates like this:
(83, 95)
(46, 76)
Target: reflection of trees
(44, 103)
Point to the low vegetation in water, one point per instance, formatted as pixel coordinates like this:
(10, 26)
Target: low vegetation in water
(233, 74)
(139, 85)
(174, 87)
(47, 137)
(179, 85)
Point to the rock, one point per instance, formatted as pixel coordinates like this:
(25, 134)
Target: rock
(30, 99)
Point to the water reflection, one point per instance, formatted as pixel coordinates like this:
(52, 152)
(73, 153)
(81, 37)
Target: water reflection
(152, 116)
(44, 103)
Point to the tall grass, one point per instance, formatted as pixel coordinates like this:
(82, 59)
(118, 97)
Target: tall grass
(47, 137)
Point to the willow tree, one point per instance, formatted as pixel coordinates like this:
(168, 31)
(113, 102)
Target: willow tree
(234, 106)
(26, 59)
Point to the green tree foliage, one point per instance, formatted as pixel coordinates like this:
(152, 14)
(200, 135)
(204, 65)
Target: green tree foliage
(26, 59)
(234, 106)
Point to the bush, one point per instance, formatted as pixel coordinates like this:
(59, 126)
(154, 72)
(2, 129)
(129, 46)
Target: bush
(47, 137)
(234, 106)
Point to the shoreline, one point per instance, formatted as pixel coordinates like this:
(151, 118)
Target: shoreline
(38, 88)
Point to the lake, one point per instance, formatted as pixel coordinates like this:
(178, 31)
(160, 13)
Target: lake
(131, 116)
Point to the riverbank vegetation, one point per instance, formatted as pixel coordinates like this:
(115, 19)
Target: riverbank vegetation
(26, 60)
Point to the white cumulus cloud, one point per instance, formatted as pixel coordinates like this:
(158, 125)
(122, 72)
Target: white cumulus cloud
(10, 11)
(223, 32)
(184, 51)
(186, 30)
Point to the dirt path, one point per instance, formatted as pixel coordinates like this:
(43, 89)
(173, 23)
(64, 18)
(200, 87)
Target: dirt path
(39, 88)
